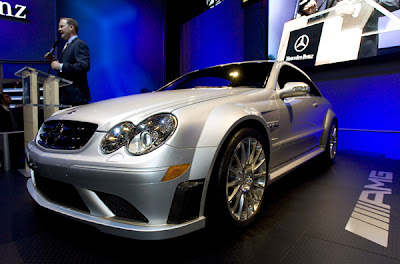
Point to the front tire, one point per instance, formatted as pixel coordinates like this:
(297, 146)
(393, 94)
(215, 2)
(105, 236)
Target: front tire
(239, 179)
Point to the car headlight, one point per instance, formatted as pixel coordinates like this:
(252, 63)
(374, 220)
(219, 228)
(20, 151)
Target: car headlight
(117, 137)
(149, 135)
(152, 133)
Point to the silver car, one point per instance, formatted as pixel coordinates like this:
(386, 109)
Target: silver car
(203, 147)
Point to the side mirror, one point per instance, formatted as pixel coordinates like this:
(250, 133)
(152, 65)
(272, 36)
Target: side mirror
(292, 89)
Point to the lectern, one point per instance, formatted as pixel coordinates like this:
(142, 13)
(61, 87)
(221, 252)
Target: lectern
(32, 81)
(333, 35)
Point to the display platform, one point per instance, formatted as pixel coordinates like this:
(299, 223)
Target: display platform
(347, 213)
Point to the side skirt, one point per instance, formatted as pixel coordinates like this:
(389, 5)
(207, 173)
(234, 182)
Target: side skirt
(284, 169)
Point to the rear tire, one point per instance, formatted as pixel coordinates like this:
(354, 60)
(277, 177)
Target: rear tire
(239, 179)
(331, 144)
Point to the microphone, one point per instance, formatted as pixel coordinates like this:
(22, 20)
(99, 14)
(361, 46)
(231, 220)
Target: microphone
(54, 46)
(51, 57)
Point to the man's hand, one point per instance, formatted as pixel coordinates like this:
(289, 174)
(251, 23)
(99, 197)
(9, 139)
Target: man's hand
(49, 57)
(55, 65)
(310, 7)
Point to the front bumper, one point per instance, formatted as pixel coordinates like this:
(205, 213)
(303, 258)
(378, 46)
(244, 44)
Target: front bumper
(145, 232)
(130, 180)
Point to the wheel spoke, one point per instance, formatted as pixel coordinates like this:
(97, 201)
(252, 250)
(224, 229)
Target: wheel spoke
(243, 154)
(234, 171)
(241, 205)
(259, 175)
(238, 161)
(236, 204)
(248, 151)
(258, 155)
(245, 214)
(256, 196)
(258, 185)
(234, 193)
(259, 165)
(251, 202)
(233, 183)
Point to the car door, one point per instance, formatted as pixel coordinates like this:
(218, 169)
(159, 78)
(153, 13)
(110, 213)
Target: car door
(301, 116)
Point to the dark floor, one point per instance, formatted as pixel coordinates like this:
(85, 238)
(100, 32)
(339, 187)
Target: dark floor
(303, 221)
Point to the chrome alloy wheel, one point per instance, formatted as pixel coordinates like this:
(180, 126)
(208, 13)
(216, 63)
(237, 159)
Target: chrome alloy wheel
(333, 140)
(246, 179)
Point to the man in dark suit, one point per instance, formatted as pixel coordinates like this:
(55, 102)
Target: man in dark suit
(7, 122)
(15, 141)
(73, 64)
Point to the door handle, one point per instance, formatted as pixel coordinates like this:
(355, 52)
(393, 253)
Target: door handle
(315, 104)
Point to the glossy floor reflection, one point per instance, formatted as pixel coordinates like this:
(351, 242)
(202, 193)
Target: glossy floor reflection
(303, 220)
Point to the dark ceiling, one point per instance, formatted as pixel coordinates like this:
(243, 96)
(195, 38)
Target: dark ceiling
(183, 10)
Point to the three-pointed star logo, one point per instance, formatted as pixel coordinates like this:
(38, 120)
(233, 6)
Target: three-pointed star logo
(301, 43)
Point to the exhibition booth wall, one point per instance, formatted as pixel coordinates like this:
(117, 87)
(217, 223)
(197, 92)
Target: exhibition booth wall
(125, 39)
(126, 42)
(27, 29)
(365, 99)
(226, 33)
(127, 48)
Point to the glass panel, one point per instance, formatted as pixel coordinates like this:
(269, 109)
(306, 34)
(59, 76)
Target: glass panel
(350, 30)
(362, 14)
(41, 76)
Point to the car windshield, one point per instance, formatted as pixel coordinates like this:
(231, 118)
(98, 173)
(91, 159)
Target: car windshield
(248, 74)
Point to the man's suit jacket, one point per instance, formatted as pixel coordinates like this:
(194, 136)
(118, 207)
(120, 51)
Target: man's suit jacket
(76, 63)
(6, 123)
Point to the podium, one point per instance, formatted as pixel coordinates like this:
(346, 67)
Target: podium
(32, 81)
(333, 35)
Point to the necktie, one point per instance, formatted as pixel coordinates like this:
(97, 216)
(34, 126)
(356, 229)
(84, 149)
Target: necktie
(65, 46)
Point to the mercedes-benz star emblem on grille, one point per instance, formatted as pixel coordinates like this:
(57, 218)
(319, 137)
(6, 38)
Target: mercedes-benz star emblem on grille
(301, 43)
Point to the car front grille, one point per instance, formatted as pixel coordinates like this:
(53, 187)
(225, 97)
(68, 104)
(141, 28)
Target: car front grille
(65, 135)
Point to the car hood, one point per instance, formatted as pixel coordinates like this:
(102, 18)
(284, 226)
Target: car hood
(135, 108)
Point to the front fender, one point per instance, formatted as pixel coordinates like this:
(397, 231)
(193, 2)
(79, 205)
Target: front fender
(223, 120)
(207, 132)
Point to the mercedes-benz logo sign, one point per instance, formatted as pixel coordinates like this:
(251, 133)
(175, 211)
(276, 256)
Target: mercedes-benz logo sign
(301, 43)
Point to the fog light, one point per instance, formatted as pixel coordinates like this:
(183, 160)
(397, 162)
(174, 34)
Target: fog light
(175, 171)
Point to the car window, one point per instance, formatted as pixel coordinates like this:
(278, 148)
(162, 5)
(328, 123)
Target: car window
(202, 82)
(252, 74)
(290, 74)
